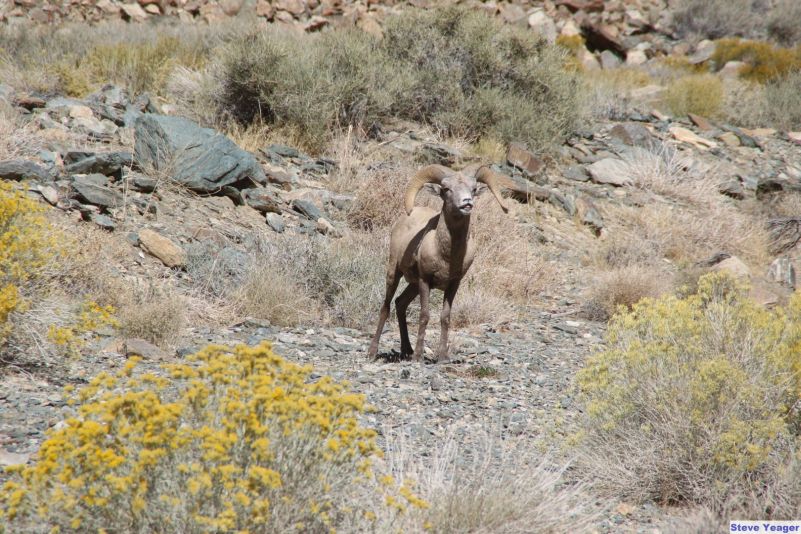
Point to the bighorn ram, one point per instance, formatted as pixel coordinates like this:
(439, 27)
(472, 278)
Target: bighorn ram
(433, 249)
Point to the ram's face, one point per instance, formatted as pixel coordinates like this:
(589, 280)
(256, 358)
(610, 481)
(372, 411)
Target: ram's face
(458, 193)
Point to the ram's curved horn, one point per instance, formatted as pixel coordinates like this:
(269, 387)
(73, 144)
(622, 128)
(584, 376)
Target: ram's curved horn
(426, 175)
(494, 181)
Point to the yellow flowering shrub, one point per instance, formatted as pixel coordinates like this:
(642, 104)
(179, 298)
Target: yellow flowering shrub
(763, 61)
(696, 398)
(238, 440)
(92, 316)
(26, 246)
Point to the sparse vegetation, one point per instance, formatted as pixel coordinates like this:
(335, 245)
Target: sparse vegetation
(623, 288)
(701, 94)
(459, 71)
(695, 400)
(714, 19)
(240, 439)
(763, 61)
(783, 23)
(157, 316)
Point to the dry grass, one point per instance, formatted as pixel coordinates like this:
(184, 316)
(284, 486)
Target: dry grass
(270, 293)
(18, 138)
(783, 23)
(624, 287)
(714, 19)
(156, 315)
(701, 94)
(498, 486)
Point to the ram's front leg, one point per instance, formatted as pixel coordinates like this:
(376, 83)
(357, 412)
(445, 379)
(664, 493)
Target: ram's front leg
(425, 291)
(445, 321)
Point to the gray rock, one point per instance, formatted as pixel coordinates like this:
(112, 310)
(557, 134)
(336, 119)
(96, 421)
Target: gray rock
(96, 194)
(632, 134)
(733, 189)
(283, 151)
(108, 163)
(307, 209)
(103, 221)
(199, 158)
(609, 60)
(263, 200)
(94, 178)
(437, 153)
(276, 222)
(145, 349)
(142, 183)
(519, 157)
(577, 173)
(608, 171)
(20, 169)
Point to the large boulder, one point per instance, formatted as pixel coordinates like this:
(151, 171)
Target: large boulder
(201, 159)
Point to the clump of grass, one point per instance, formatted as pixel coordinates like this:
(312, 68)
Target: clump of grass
(482, 371)
(701, 94)
(782, 23)
(157, 316)
(237, 439)
(714, 19)
(623, 288)
(498, 485)
(783, 99)
(763, 61)
(270, 293)
(695, 400)
(459, 71)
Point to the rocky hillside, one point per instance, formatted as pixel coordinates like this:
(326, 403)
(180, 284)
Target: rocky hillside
(200, 232)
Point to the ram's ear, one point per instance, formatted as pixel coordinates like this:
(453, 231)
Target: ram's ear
(494, 181)
(427, 175)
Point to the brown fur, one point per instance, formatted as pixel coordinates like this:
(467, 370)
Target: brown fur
(432, 249)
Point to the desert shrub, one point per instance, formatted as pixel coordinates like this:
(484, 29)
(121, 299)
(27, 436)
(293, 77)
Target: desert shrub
(783, 22)
(238, 439)
(783, 99)
(142, 66)
(623, 287)
(459, 71)
(714, 18)
(491, 485)
(696, 399)
(26, 247)
(269, 292)
(763, 61)
(701, 94)
(157, 316)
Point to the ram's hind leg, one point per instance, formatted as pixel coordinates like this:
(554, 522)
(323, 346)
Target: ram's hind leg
(392, 286)
(401, 305)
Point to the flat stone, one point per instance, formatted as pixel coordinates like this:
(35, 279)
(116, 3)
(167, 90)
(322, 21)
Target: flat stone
(729, 139)
(275, 222)
(518, 156)
(687, 136)
(108, 163)
(97, 194)
(307, 209)
(609, 171)
(263, 200)
(103, 221)
(632, 134)
(163, 248)
(577, 173)
(702, 123)
(143, 348)
(20, 169)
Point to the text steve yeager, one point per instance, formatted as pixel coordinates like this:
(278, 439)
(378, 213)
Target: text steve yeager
(765, 526)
